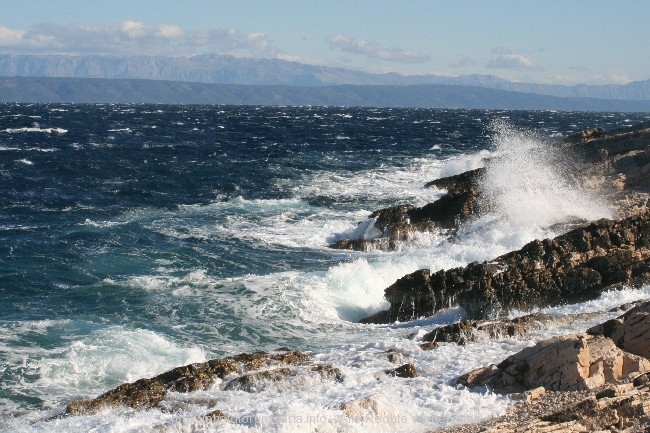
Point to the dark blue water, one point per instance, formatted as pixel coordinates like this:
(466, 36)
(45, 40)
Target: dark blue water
(173, 219)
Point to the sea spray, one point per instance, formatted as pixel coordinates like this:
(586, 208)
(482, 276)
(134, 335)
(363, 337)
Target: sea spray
(527, 182)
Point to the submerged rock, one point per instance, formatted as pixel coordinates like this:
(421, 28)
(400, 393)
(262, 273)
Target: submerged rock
(575, 266)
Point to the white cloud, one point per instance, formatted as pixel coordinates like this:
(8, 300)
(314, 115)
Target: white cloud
(374, 51)
(510, 61)
(134, 29)
(10, 36)
(135, 37)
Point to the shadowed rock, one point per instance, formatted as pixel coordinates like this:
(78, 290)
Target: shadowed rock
(407, 371)
(630, 332)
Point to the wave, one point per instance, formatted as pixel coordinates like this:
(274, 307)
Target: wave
(183, 283)
(75, 359)
(58, 131)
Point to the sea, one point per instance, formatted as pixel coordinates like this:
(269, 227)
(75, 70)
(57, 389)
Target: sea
(139, 238)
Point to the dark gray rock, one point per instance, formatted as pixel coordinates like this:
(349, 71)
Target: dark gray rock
(573, 267)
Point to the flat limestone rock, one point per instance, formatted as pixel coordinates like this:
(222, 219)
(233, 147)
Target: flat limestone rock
(622, 407)
(571, 362)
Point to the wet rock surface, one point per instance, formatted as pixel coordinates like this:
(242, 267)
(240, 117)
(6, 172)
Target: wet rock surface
(147, 393)
(575, 266)
(467, 331)
(397, 223)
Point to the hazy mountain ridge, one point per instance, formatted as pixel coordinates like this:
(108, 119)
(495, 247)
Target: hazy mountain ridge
(221, 69)
(99, 90)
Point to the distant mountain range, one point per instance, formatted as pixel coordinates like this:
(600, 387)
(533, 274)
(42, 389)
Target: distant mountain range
(227, 79)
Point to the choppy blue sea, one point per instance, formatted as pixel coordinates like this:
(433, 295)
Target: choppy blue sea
(138, 238)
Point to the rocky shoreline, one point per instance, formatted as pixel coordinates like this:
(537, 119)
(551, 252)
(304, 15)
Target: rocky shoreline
(592, 381)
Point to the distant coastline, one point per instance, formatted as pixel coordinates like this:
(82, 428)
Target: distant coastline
(138, 91)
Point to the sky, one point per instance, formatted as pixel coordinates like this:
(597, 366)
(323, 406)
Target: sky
(542, 41)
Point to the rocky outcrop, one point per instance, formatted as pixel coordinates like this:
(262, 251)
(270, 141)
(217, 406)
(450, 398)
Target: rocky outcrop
(606, 354)
(572, 267)
(247, 372)
(615, 163)
(470, 331)
(397, 223)
(594, 381)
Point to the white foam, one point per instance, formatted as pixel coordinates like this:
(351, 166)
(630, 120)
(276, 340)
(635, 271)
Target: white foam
(463, 163)
(365, 230)
(35, 129)
(87, 365)
(384, 184)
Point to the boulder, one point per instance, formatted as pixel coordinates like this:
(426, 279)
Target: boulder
(369, 408)
(406, 371)
(630, 332)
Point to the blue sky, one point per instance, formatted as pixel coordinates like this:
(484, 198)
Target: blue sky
(549, 41)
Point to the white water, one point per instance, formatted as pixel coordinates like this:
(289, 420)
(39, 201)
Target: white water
(528, 195)
(529, 184)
